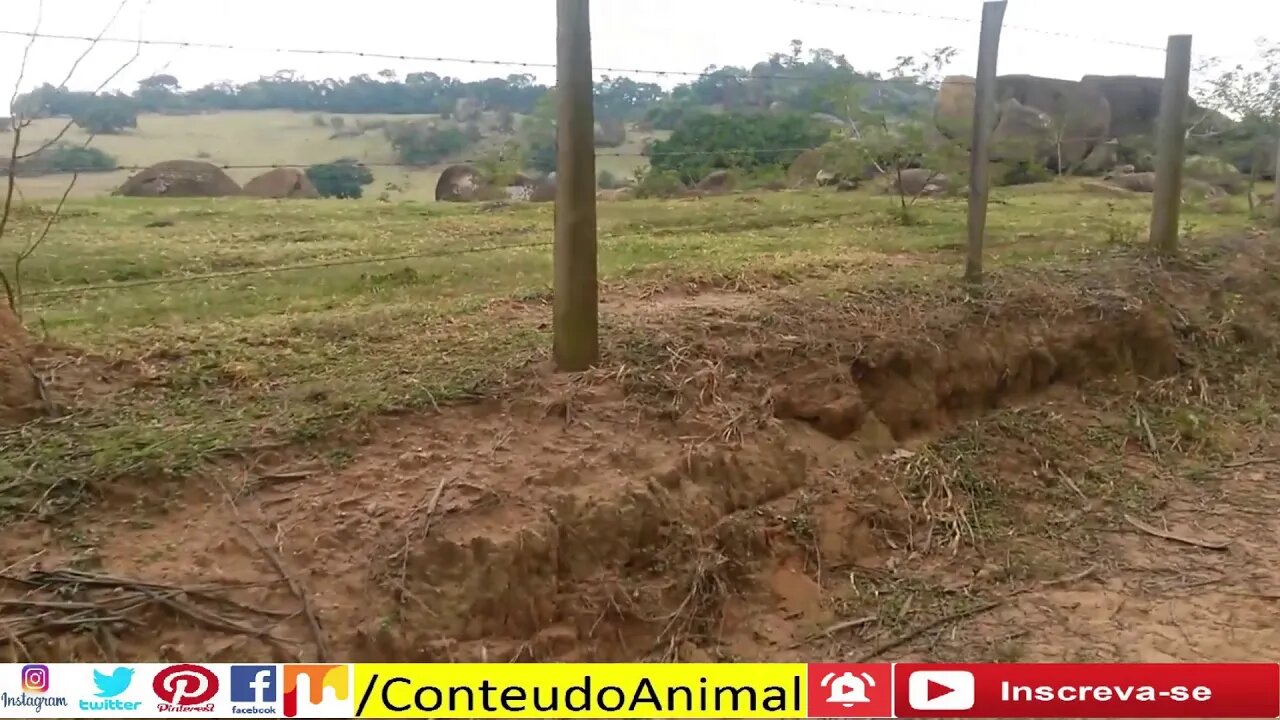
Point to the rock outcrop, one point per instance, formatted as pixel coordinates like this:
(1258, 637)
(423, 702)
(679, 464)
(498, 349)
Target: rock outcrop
(180, 178)
(282, 183)
(459, 183)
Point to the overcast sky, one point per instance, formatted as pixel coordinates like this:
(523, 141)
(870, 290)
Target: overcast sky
(649, 34)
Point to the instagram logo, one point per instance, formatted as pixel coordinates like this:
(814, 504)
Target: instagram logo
(35, 678)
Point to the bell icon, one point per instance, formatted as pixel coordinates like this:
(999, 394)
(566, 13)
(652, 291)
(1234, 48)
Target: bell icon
(848, 689)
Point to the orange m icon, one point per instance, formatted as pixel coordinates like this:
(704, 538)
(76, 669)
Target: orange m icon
(319, 677)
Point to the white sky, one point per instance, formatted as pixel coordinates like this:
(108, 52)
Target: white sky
(651, 34)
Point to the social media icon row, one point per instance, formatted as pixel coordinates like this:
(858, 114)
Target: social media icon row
(157, 690)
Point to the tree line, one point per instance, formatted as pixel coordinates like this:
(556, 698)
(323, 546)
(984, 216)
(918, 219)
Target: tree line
(794, 80)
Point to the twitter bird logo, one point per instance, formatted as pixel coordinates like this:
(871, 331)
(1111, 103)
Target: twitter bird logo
(112, 685)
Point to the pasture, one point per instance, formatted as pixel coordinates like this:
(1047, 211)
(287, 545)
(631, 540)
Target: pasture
(272, 137)
(806, 438)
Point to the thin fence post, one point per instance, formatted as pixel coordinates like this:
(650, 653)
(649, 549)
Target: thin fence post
(1275, 198)
(1171, 141)
(984, 120)
(576, 344)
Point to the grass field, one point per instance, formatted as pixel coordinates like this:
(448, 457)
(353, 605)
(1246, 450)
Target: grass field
(295, 353)
(261, 138)
(327, 425)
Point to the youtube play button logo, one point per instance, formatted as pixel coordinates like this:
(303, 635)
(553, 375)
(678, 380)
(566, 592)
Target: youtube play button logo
(940, 690)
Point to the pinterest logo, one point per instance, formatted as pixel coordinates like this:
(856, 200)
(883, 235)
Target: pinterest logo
(35, 678)
(185, 685)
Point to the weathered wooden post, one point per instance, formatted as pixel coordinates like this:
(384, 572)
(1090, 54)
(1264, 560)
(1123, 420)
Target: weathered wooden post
(1171, 140)
(1275, 198)
(984, 120)
(576, 344)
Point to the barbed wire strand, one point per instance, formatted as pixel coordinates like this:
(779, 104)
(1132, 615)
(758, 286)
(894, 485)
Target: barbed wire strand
(82, 289)
(603, 239)
(714, 71)
(975, 21)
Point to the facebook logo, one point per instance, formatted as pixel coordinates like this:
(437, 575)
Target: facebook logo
(253, 683)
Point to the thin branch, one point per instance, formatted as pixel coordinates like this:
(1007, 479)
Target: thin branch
(12, 184)
(35, 244)
(137, 52)
(22, 67)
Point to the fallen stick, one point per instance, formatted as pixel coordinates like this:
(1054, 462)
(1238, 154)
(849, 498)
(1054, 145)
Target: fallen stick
(273, 557)
(1184, 539)
(828, 632)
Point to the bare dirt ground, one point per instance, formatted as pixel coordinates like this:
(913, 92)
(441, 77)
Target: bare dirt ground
(1065, 466)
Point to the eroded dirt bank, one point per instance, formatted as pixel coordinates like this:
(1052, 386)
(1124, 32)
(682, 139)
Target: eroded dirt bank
(1087, 457)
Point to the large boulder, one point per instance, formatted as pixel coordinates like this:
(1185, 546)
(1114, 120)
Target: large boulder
(1143, 182)
(544, 191)
(1102, 159)
(918, 181)
(19, 391)
(805, 168)
(1216, 172)
(1134, 101)
(953, 107)
(1080, 114)
(718, 181)
(180, 178)
(282, 183)
(1135, 104)
(460, 183)
(1022, 133)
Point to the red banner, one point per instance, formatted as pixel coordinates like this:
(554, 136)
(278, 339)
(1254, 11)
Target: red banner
(1087, 691)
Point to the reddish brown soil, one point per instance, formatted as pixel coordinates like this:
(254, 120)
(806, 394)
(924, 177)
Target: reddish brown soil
(748, 471)
(19, 391)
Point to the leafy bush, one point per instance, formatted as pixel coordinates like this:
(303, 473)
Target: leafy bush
(64, 158)
(340, 179)
(107, 114)
(499, 168)
(421, 143)
(607, 180)
(1022, 172)
(735, 141)
(654, 183)
(75, 158)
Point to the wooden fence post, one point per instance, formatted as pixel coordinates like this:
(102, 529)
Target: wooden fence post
(576, 343)
(1275, 198)
(984, 120)
(1171, 140)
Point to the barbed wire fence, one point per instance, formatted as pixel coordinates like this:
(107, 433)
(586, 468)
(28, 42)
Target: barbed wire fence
(576, 241)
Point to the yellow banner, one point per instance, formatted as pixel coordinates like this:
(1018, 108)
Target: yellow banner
(581, 690)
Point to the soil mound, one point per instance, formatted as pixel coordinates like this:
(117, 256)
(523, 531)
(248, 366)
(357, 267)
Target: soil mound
(282, 183)
(19, 394)
(180, 178)
(459, 183)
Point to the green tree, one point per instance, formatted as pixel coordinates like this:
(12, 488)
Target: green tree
(340, 179)
(500, 167)
(422, 143)
(735, 141)
(540, 134)
(1251, 94)
(107, 114)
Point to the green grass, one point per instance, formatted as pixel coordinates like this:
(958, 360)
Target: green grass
(268, 137)
(293, 356)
